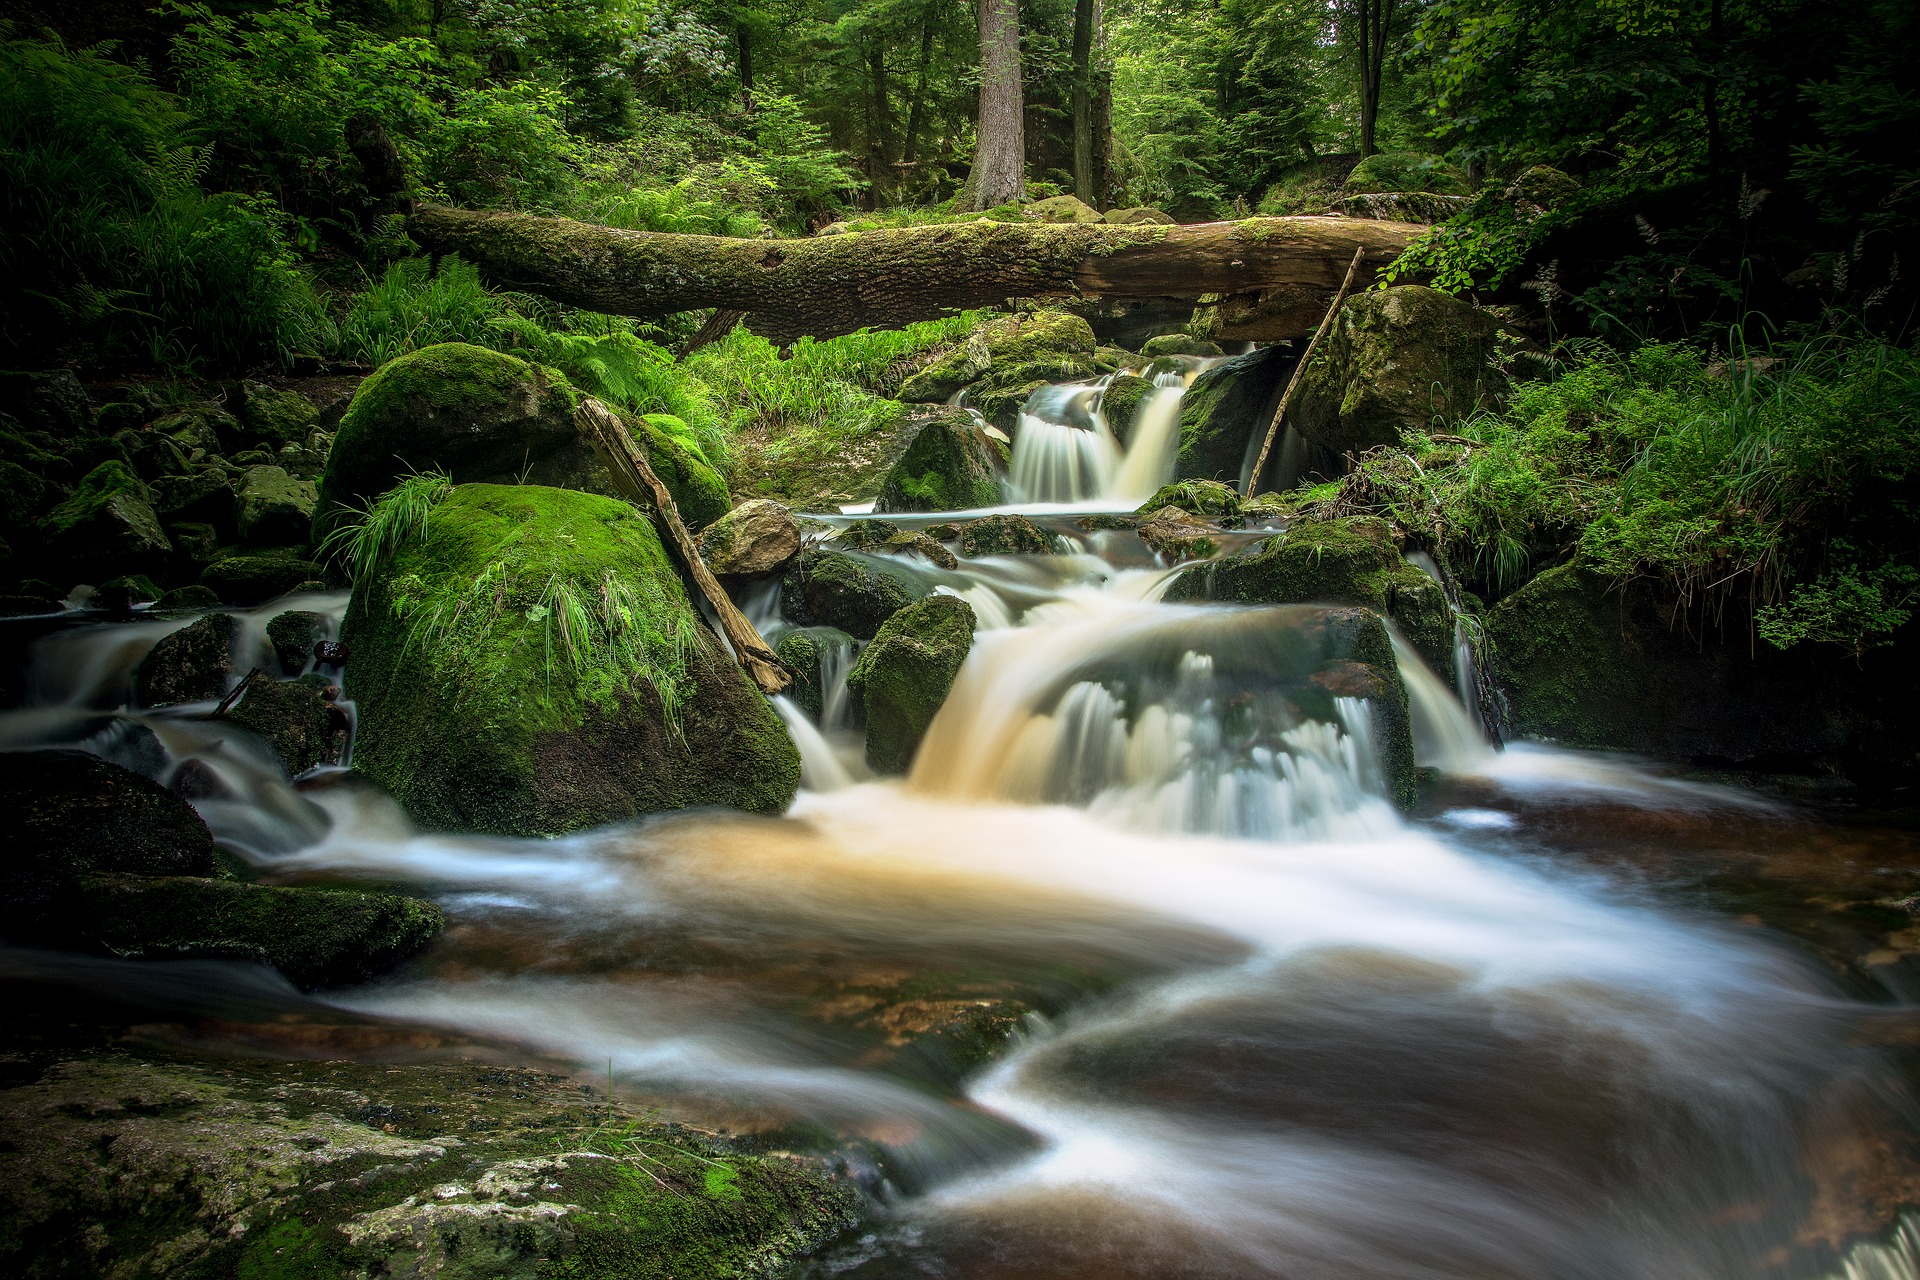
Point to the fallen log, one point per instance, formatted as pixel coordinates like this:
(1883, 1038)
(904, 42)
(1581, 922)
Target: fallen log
(833, 285)
(602, 428)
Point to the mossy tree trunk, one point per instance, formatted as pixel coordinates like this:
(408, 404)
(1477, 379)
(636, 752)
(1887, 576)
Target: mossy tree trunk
(882, 279)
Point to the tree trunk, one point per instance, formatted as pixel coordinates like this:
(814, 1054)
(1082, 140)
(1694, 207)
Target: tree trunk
(1085, 17)
(882, 279)
(1000, 142)
(916, 113)
(1372, 20)
(743, 41)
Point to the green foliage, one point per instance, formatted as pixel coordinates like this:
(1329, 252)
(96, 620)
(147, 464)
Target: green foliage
(1781, 478)
(413, 306)
(385, 523)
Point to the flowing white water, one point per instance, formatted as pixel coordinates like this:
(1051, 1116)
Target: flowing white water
(1065, 453)
(1152, 443)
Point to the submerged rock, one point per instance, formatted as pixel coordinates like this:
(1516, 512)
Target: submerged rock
(904, 676)
(1226, 409)
(292, 715)
(1178, 536)
(193, 664)
(580, 689)
(126, 1165)
(1393, 363)
(853, 592)
(1005, 535)
(109, 525)
(950, 466)
(316, 937)
(756, 538)
(1348, 561)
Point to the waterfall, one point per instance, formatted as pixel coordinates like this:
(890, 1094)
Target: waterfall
(1445, 735)
(1065, 451)
(1153, 443)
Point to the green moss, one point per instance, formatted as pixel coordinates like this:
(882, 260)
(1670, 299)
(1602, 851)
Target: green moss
(1223, 410)
(316, 937)
(257, 578)
(1407, 171)
(699, 493)
(1012, 350)
(1347, 561)
(108, 523)
(292, 716)
(1005, 535)
(528, 662)
(855, 593)
(904, 676)
(948, 467)
(1121, 400)
(1197, 497)
(805, 651)
(1179, 344)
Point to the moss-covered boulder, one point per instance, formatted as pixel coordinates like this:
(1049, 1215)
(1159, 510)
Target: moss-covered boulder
(1016, 349)
(1354, 560)
(816, 656)
(1005, 535)
(275, 509)
(950, 466)
(904, 676)
(293, 716)
(1227, 407)
(203, 428)
(1407, 171)
(848, 590)
(1121, 401)
(203, 495)
(272, 416)
(756, 538)
(1137, 216)
(188, 598)
(108, 526)
(292, 636)
(257, 577)
(1208, 498)
(1393, 363)
(1178, 535)
(477, 414)
(193, 664)
(1180, 344)
(1061, 209)
(699, 493)
(119, 1164)
(526, 662)
(69, 814)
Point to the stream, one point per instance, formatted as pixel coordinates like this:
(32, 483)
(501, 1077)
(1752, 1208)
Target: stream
(1578, 1016)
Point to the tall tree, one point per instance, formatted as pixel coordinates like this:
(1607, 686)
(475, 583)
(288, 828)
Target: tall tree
(1086, 23)
(1368, 26)
(1000, 142)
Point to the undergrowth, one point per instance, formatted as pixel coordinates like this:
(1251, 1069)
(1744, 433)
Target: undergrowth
(1782, 481)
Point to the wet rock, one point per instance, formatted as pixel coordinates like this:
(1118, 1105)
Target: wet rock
(1207, 498)
(316, 937)
(293, 635)
(121, 1165)
(121, 594)
(1348, 561)
(1178, 536)
(201, 496)
(1226, 411)
(1392, 364)
(1357, 661)
(1121, 401)
(108, 524)
(495, 724)
(193, 664)
(1180, 344)
(1061, 209)
(49, 400)
(257, 577)
(212, 431)
(1004, 535)
(68, 814)
(184, 599)
(756, 538)
(196, 780)
(274, 417)
(1139, 215)
(275, 509)
(950, 466)
(805, 651)
(1017, 349)
(330, 653)
(853, 592)
(916, 543)
(292, 715)
(904, 676)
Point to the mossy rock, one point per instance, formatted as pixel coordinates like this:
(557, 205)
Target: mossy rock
(1226, 410)
(489, 724)
(109, 525)
(1359, 662)
(152, 454)
(1180, 344)
(1005, 535)
(950, 466)
(1121, 401)
(294, 718)
(1353, 560)
(257, 577)
(1207, 498)
(50, 400)
(292, 635)
(904, 676)
(211, 431)
(193, 664)
(121, 1164)
(315, 937)
(70, 814)
(1048, 339)
(274, 508)
(1067, 209)
(204, 495)
(756, 538)
(698, 491)
(1137, 216)
(1177, 535)
(848, 590)
(121, 594)
(1394, 363)
(1000, 401)
(273, 416)
(477, 414)
(807, 652)
(191, 597)
(1407, 171)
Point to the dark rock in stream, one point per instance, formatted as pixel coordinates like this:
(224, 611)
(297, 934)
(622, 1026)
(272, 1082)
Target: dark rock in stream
(117, 1164)
(193, 664)
(904, 676)
(293, 635)
(1005, 535)
(256, 578)
(1223, 411)
(70, 813)
(805, 651)
(950, 466)
(853, 592)
(292, 715)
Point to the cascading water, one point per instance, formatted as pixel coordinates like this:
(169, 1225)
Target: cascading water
(1065, 453)
(1276, 1028)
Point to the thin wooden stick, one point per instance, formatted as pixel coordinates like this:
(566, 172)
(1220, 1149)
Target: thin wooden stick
(1293, 380)
(628, 462)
